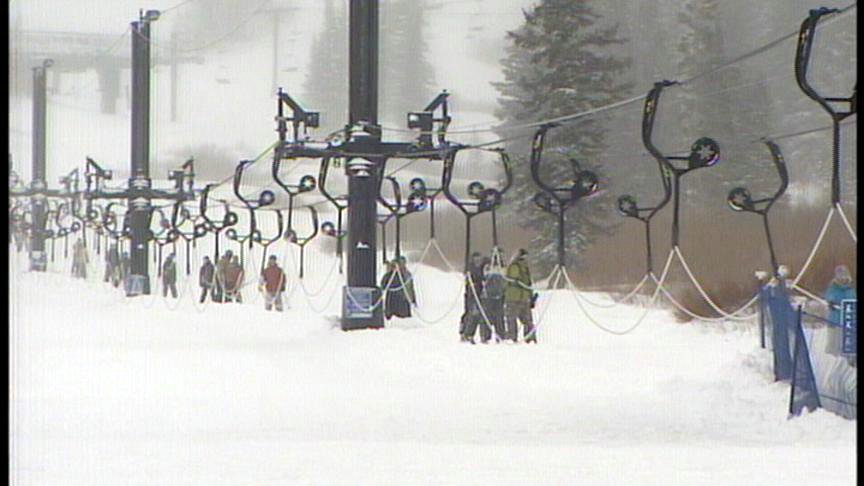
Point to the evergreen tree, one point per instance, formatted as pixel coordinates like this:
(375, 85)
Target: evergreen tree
(730, 106)
(559, 62)
(326, 87)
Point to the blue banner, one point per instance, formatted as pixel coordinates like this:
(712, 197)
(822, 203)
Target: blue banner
(849, 319)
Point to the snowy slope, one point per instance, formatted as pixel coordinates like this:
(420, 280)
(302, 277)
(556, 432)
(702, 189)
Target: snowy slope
(108, 390)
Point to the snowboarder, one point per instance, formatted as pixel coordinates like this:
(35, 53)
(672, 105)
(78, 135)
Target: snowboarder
(273, 284)
(493, 300)
(169, 276)
(840, 289)
(233, 280)
(473, 316)
(112, 265)
(398, 287)
(519, 299)
(206, 280)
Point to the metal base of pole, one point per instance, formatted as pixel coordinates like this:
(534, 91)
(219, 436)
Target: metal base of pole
(38, 261)
(356, 308)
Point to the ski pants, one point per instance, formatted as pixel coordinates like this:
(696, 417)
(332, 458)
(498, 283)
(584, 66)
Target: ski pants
(169, 285)
(204, 292)
(516, 312)
(273, 299)
(473, 320)
(495, 313)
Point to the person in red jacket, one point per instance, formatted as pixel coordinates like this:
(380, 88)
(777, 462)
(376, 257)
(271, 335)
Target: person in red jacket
(273, 284)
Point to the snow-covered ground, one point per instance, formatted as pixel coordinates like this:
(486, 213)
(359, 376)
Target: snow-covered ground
(108, 390)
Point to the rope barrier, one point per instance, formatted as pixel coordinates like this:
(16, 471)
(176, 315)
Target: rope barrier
(615, 302)
(675, 303)
(846, 223)
(728, 315)
(641, 318)
(815, 247)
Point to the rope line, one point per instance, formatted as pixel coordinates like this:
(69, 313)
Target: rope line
(728, 315)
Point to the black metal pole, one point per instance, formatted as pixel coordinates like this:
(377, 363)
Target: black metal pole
(676, 205)
(774, 265)
(467, 242)
(835, 163)
(38, 210)
(362, 172)
(494, 228)
(649, 264)
(398, 237)
(140, 184)
(561, 236)
(432, 218)
(339, 238)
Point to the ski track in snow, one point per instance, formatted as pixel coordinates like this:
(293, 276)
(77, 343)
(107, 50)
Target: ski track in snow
(109, 390)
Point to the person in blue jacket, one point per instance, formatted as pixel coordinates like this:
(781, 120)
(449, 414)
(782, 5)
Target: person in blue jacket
(840, 289)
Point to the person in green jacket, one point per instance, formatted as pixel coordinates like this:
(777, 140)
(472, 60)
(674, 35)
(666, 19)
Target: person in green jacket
(518, 299)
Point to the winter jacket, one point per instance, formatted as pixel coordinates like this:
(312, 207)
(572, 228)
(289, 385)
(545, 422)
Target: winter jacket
(476, 273)
(835, 294)
(221, 268)
(206, 275)
(169, 271)
(233, 277)
(519, 283)
(494, 286)
(390, 282)
(274, 279)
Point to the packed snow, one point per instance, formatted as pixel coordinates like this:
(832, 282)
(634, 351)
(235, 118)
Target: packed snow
(109, 390)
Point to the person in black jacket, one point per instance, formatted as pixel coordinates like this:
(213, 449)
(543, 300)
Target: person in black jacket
(169, 276)
(398, 287)
(206, 280)
(473, 316)
(493, 299)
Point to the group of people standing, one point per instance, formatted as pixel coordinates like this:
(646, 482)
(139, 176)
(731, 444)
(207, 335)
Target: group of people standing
(497, 303)
(223, 281)
(117, 265)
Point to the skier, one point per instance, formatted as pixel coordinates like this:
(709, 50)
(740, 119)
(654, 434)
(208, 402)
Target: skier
(233, 280)
(169, 276)
(79, 259)
(399, 292)
(473, 316)
(112, 265)
(206, 279)
(493, 299)
(840, 289)
(519, 299)
(273, 284)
